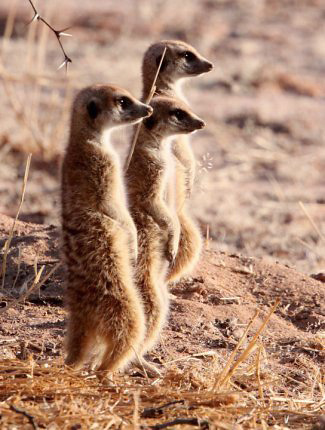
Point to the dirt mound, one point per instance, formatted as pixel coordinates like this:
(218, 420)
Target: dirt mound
(209, 313)
(208, 310)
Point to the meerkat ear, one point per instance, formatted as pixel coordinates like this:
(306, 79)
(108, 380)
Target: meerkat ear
(93, 109)
(150, 122)
(163, 64)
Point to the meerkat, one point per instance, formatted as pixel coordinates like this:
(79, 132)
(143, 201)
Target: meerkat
(106, 315)
(157, 225)
(180, 61)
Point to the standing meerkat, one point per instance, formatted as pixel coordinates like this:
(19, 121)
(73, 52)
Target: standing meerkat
(106, 314)
(157, 225)
(181, 61)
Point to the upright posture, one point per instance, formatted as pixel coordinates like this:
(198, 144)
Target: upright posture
(106, 321)
(181, 61)
(158, 229)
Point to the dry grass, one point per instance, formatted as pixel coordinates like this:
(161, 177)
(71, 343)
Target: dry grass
(201, 393)
(32, 82)
(6, 247)
(147, 101)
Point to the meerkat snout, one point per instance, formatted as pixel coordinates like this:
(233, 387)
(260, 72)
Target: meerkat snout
(200, 124)
(207, 66)
(171, 116)
(134, 110)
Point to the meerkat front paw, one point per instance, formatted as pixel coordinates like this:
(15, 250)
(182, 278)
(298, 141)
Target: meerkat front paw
(171, 249)
(134, 248)
(133, 241)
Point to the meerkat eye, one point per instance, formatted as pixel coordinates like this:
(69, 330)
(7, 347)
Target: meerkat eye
(124, 102)
(179, 114)
(189, 56)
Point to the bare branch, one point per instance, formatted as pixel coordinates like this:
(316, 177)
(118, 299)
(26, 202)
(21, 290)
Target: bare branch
(57, 33)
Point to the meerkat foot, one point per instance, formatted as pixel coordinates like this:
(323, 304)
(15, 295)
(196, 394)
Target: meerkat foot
(151, 370)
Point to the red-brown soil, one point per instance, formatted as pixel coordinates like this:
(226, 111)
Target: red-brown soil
(208, 310)
(209, 313)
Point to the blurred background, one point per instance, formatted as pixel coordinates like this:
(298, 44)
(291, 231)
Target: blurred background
(261, 159)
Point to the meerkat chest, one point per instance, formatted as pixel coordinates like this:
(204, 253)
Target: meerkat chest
(178, 89)
(167, 163)
(114, 179)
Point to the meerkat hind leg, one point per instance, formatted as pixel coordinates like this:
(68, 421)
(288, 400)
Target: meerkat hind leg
(79, 345)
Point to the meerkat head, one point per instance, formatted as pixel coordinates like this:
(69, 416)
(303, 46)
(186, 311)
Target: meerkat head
(171, 116)
(180, 61)
(102, 107)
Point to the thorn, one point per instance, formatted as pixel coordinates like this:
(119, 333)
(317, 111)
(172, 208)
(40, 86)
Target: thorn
(61, 33)
(65, 63)
(35, 17)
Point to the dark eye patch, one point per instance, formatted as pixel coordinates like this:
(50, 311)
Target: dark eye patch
(179, 114)
(93, 109)
(124, 102)
(189, 56)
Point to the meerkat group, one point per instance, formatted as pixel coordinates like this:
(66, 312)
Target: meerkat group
(124, 237)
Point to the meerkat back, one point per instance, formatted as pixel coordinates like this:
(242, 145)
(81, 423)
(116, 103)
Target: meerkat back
(106, 316)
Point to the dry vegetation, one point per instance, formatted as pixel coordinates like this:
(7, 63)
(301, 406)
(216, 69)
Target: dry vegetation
(260, 192)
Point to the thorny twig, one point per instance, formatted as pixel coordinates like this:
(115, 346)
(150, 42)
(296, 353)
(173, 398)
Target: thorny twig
(57, 33)
(30, 417)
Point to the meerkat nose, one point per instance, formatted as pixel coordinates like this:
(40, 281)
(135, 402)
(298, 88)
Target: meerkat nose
(209, 66)
(149, 110)
(200, 124)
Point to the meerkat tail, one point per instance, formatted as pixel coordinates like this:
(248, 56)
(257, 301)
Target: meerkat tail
(189, 250)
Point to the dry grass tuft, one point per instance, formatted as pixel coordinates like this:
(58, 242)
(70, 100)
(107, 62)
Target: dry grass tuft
(46, 91)
(46, 394)
(6, 247)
